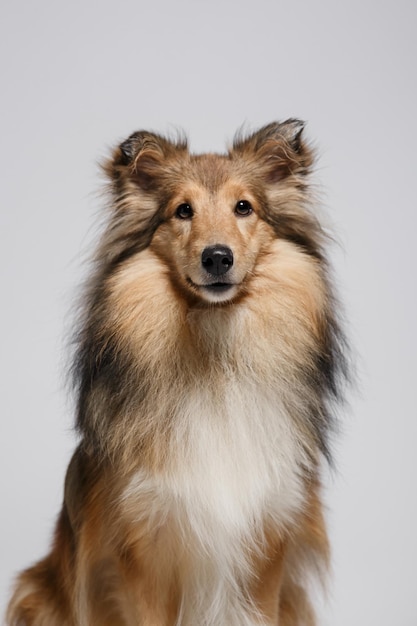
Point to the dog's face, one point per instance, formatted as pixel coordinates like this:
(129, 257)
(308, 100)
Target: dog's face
(209, 217)
(211, 234)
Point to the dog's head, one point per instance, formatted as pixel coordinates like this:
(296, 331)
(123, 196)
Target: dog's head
(209, 217)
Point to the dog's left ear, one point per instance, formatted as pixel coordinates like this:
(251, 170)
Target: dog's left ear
(279, 149)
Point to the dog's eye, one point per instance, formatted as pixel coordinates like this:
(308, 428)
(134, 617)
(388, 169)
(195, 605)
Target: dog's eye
(243, 208)
(184, 211)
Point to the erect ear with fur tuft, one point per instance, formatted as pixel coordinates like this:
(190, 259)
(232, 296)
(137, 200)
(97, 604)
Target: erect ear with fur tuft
(131, 146)
(292, 130)
(279, 149)
(142, 157)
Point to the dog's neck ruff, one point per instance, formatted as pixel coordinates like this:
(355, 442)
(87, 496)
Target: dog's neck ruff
(234, 463)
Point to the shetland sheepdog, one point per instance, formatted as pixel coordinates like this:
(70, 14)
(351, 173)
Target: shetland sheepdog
(208, 362)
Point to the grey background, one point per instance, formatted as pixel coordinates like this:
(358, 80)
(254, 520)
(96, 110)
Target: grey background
(76, 77)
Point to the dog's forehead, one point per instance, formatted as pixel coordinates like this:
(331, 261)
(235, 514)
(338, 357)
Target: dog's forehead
(211, 171)
(208, 178)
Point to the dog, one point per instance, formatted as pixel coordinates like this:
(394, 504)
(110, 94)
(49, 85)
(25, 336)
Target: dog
(208, 365)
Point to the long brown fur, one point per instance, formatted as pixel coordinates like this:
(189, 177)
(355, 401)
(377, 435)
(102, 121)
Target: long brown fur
(205, 397)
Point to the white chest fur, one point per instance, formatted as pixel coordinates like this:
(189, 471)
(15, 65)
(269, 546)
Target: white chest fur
(235, 460)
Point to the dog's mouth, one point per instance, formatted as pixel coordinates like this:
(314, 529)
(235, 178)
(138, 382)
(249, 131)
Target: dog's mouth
(216, 288)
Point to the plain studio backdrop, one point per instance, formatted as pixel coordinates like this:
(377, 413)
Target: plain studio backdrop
(76, 78)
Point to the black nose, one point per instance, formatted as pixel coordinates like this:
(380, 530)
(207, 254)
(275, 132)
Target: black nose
(217, 260)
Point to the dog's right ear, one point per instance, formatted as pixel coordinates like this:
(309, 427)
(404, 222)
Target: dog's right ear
(142, 158)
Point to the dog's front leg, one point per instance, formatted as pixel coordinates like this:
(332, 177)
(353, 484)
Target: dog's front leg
(266, 584)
